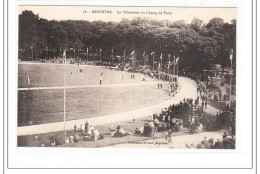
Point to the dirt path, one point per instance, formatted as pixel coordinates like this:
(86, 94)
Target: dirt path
(178, 142)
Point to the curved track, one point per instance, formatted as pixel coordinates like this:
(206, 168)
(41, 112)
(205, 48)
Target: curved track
(187, 89)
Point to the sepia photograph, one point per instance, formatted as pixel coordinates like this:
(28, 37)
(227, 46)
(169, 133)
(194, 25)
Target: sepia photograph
(126, 77)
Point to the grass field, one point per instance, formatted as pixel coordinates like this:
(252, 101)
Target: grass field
(50, 75)
(46, 105)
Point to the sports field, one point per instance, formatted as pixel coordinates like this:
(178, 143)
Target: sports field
(87, 98)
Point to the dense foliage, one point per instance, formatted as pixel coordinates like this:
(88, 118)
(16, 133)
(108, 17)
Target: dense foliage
(198, 44)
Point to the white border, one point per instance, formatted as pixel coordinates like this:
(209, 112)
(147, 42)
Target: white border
(81, 157)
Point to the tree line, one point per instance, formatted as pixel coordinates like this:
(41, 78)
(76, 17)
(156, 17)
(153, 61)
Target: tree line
(198, 44)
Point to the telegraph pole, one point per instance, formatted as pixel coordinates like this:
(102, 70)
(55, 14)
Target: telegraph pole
(153, 60)
(100, 55)
(32, 52)
(174, 67)
(64, 97)
(231, 71)
(87, 55)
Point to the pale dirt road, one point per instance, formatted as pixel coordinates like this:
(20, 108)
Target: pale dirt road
(178, 142)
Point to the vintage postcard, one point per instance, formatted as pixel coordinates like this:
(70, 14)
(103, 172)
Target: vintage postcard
(126, 77)
(129, 85)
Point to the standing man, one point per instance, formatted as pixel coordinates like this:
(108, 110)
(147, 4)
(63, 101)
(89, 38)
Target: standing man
(80, 129)
(220, 95)
(193, 120)
(101, 78)
(75, 128)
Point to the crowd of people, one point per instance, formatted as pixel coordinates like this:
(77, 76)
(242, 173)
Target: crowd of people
(185, 114)
(89, 133)
(225, 118)
(165, 122)
(211, 95)
(227, 142)
(170, 120)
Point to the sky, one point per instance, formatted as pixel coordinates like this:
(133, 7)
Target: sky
(94, 13)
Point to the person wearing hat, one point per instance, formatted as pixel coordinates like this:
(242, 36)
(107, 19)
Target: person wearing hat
(75, 128)
(225, 135)
(67, 141)
(193, 120)
(163, 118)
(230, 131)
(80, 129)
(205, 140)
(118, 127)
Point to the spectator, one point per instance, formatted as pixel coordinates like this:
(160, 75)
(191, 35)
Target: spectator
(217, 145)
(225, 135)
(75, 128)
(81, 129)
(205, 140)
(118, 127)
(201, 146)
(230, 131)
